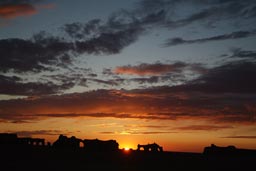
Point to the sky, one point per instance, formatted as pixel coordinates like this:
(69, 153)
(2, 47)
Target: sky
(175, 72)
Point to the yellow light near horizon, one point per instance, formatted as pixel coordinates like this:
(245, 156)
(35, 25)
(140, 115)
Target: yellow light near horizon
(126, 148)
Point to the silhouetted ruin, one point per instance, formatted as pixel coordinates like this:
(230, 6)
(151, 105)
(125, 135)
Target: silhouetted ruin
(89, 145)
(68, 143)
(150, 147)
(71, 153)
(227, 151)
(12, 139)
(100, 145)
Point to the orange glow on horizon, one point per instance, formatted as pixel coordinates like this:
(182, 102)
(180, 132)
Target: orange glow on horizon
(126, 148)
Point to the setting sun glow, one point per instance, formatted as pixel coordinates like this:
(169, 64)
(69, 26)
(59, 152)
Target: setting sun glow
(126, 148)
(138, 72)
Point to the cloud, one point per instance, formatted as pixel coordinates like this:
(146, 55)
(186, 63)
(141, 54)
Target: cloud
(109, 43)
(203, 127)
(240, 53)
(149, 69)
(242, 136)
(79, 31)
(233, 77)
(13, 11)
(120, 30)
(156, 68)
(44, 49)
(32, 55)
(233, 35)
(10, 9)
(150, 132)
(124, 27)
(37, 132)
(225, 94)
(140, 132)
(207, 13)
(15, 2)
(15, 86)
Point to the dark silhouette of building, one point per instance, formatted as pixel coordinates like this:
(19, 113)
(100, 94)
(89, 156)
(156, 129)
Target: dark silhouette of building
(8, 139)
(88, 145)
(227, 151)
(31, 154)
(68, 143)
(100, 145)
(150, 147)
(12, 139)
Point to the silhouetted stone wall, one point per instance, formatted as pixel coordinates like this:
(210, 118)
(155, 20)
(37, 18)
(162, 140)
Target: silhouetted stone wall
(100, 145)
(150, 147)
(12, 139)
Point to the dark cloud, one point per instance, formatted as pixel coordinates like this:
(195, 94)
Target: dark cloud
(124, 27)
(81, 31)
(214, 97)
(147, 126)
(107, 82)
(240, 53)
(151, 80)
(120, 30)
(173, 78)
(157, 68)
(234, 35)
(109, 43)
(107, 71)
(15, 86)
(27, 55)
(87, 78)
(32, 55)
(142, 132)
(160, 103)
(212, 12)
(17, 2)
(150, 69)
(37, 132)
(150, 132)
(234, 77)
(203, 127)
(251, 11)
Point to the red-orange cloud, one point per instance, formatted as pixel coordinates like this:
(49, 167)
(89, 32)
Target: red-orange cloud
(149, 69)
(204, 127)
(46, 6)
(161, 103)
(13, 11)
(157, 68)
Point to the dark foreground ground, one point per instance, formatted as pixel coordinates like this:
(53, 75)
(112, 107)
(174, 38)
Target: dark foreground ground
(48, 159)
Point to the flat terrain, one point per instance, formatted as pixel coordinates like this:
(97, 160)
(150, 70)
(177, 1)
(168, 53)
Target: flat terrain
(45, 158)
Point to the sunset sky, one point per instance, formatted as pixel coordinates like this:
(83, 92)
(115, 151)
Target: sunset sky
(178, 73)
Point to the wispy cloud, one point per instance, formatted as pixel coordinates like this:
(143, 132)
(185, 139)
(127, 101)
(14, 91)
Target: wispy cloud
(243, 54)
(14, 8)
(233, 35)
(203, 127)
(118, 31)
(15, 86)
(37, 132)
(157, 68)
(13, 11)
(242, 136)
(224, 94)
(149, 69)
